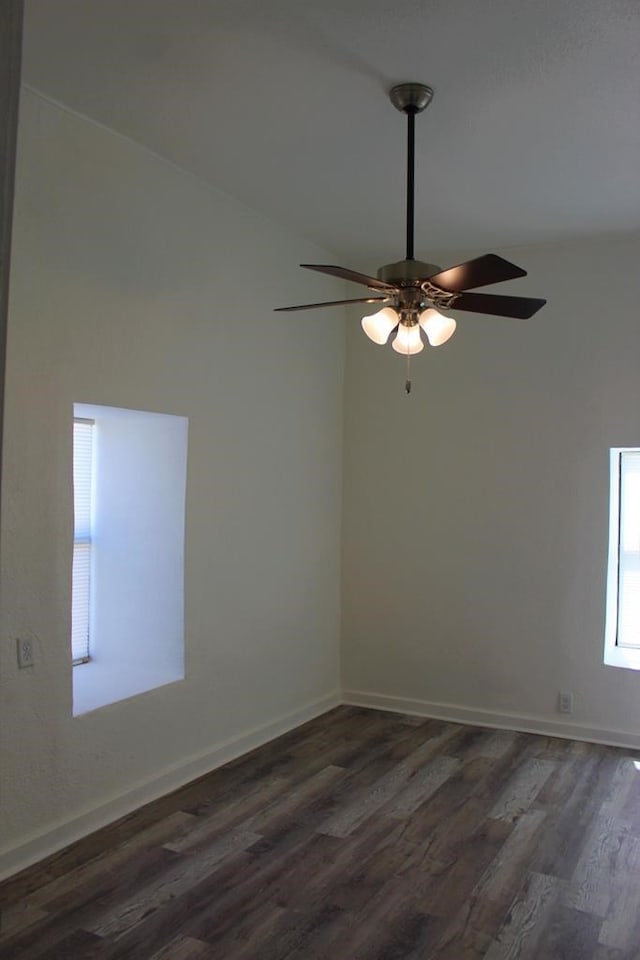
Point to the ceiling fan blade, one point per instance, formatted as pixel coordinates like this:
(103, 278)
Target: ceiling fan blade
(520, 307)
(477, 273)
(345, 274)
(331, 303)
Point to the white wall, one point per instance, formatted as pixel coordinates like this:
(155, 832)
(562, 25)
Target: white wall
(476, 509)
(135, 285)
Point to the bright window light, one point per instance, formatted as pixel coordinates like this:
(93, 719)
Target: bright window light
(83, 433)
(622, 629)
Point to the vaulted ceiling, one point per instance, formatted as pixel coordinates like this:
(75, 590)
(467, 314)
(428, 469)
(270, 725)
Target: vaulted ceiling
(533, 133)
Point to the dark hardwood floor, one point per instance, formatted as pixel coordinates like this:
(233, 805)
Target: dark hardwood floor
(359, 836)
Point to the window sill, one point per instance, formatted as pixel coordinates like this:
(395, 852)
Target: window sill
(622, 657)
(97, 685)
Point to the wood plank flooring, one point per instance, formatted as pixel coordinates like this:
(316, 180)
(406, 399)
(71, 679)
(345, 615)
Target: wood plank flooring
(360, 836)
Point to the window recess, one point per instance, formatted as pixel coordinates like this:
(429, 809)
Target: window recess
(129, 493)
(622, 628)
(83, 445)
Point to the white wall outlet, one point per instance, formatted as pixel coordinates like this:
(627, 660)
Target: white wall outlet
(25, 653)
(565, 702)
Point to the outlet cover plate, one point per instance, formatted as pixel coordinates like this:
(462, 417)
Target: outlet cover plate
(25, 653)
(565, 703)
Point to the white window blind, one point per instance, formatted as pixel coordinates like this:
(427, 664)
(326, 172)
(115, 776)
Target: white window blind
(83, 432)
(628, 634)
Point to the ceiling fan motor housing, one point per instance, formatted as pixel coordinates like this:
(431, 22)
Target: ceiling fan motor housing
(407, 273)
(408, 276)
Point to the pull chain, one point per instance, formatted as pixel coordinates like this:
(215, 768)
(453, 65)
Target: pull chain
(407, 383)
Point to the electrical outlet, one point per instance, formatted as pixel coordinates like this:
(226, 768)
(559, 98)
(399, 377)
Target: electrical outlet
(25, 653)
(565, 703)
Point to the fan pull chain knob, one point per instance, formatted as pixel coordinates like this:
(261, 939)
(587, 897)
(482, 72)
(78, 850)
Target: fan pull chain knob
(407, 386)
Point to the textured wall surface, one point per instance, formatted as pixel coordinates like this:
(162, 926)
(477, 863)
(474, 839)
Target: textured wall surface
(135, 285)
(476, 509)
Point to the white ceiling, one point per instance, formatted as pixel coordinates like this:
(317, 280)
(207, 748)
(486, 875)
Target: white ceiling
(533, 133)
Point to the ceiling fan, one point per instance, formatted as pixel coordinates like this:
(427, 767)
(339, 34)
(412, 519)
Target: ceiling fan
(413, 293)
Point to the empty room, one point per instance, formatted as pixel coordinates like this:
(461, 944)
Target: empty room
(320, 498)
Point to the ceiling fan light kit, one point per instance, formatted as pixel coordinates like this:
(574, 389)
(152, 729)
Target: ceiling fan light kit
(413, 293)
(408, 340)
(378, 326)
(438, 328)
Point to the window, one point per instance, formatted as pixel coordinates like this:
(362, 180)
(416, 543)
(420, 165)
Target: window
(83, 518)
(127, 617)
(622, 629)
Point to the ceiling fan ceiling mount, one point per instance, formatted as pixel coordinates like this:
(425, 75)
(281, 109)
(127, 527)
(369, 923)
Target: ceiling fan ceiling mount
(411, 97)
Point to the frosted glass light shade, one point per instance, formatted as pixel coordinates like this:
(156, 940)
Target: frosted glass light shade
(379, 325)
(437, 327)
(408, 340)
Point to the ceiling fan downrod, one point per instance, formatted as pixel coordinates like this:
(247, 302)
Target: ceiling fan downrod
(411, 98)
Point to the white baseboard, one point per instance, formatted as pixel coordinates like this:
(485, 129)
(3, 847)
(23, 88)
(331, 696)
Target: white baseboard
(56, 837)
(484, 718)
